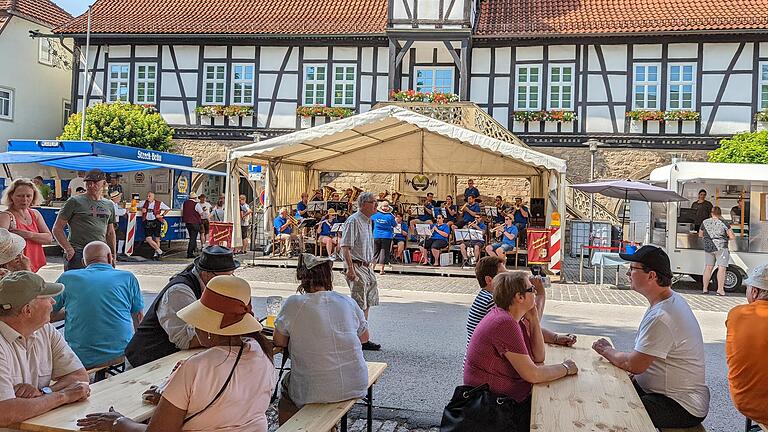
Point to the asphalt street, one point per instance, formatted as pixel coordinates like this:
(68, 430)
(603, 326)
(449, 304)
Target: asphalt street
(422, 332)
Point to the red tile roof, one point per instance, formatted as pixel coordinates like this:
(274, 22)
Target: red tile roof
(44, 12)
(542, 18)
(321, 17)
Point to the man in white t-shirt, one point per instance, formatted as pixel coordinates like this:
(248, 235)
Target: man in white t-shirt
(668, 359)
(75, 183)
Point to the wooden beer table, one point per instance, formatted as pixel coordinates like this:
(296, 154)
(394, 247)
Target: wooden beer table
(599, 398)
(122, 391)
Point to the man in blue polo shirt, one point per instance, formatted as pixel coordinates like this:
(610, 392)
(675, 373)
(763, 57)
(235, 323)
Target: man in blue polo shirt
(521, 218)
(471, 210)
(508, 240)
(471, 190)
(101, 306)
(301, 207)
(284, 230)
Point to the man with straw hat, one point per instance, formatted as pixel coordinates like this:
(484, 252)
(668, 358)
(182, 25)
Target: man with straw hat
(161, 332)
(384, 224)
(12, 256)
(746, 348)
(33, 353)
(228, 386)
(116, 196)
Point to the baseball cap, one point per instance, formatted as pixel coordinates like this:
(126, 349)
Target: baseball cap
(11, 245)
(758, 277)
(95, 175)
(653, 257)
(21, 287)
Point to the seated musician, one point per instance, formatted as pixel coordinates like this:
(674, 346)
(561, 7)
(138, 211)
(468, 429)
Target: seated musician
(521, 218)
(400, 239)
(317, 195)
(508, 239)
(476, 245)
(301, 207)
(428, 215)
(451, 210)
(438, 241)
(325, 236)
(502, 209)
(284, 230)
(469, 211)
(341, 216)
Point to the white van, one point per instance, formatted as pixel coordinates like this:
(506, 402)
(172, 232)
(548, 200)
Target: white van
(738, 189)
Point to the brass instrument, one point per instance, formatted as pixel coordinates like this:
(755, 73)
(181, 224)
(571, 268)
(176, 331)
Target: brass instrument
(464, 207)
(396, 197)
(383, 195)
(327, 192)
(292, 221)
(355, 193)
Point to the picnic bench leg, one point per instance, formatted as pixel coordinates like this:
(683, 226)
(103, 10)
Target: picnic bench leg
(369, 402)
(344, 423)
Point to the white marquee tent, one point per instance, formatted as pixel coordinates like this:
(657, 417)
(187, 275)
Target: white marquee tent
(392, 140)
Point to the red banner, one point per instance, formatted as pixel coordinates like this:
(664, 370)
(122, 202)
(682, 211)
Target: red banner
(538, 246)
(220, 234)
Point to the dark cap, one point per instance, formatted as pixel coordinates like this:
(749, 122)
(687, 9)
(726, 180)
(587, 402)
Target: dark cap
(95, 175)
(652, 257)
(216, 259)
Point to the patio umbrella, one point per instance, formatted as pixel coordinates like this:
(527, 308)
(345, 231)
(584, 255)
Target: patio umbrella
(630, 190)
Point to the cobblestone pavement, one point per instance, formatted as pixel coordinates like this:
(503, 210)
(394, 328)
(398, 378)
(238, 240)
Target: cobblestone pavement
(568, 292)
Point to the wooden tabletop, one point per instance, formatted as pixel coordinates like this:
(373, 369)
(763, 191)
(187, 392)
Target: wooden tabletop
(123, 392)
(763, 427)
(600, 398)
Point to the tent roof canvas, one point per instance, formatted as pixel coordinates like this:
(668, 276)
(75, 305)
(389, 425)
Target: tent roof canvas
(395, 139)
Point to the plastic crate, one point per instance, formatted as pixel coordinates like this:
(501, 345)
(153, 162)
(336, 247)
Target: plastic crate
(580, 235)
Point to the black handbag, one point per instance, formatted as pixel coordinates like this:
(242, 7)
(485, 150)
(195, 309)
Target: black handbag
(476, 409)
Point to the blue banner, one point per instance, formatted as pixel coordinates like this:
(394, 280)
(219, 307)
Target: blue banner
(182, 183)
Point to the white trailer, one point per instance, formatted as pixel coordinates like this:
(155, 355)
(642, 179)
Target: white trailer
(671, 225)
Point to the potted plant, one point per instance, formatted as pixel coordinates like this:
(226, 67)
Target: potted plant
(429, 97)
(306, 113)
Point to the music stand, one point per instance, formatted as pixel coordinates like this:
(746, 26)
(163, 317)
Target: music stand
(423, 230)
(491, 211)
(339, 206)
(307, 223)
(398, 229)
(462, 235)
(316, 206)
(418, 210)
(337, 227)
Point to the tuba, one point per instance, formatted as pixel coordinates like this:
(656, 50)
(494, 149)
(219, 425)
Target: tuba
(396, 197)
(383, 195)
(327, 192)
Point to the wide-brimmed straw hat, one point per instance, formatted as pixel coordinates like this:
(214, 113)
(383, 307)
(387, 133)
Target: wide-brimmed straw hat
(311, 261)
(224, 308)
(11, 246)
(192, 195)
(331, 212)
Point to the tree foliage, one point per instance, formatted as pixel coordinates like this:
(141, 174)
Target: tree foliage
(121, 123)
(747, 147)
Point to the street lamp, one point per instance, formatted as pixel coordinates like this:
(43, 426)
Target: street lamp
(593, 144)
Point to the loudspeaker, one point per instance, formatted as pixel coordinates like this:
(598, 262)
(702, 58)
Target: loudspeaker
(537, 217)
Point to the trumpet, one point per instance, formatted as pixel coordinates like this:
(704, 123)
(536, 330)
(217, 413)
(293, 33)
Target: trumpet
(497, 229)
(464, 207)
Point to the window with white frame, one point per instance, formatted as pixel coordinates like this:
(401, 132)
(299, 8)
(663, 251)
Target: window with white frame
(433, 79)
(242, 84)
(119, 80)
(146, 79)
(561, 86)
(763, 85)
(45, 51)
(6, 103)
(214, 83)
(67, 111)
(314, 84)
(528, 95)
(646, 86)
(344, 85)
(681, 84)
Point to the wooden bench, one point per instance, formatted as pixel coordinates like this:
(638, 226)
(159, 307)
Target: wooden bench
(110, 368)
(699, 428)
(323, 417)
(600, 398)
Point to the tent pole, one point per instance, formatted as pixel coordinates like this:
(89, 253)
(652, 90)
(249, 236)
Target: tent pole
(85, 95)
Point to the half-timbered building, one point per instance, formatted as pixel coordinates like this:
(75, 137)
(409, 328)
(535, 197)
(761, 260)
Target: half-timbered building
(648, 78)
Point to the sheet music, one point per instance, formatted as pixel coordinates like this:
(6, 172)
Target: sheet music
(398, 229)
(316, 206)
(462, 234)
(476, 234)
(336, 227)
(418, 210)
(423, 230)
(491, 211)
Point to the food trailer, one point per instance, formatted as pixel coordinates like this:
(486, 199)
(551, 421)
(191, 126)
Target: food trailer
(739, 190)
(139, 171)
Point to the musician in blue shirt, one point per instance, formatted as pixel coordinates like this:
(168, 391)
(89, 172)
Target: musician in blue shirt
(451, 210)
(284, 230)
(479, 225)
(501, 209)
(508, 239)
(471, 190)
(301, 207)
(521, 218)
(325, 235)
(437, 241)
(428, 215)
(383, 231)
(470, 210)
(400, 239)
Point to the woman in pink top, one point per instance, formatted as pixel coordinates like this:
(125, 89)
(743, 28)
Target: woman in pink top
(225, 388)
(507, 348)
(24, 221)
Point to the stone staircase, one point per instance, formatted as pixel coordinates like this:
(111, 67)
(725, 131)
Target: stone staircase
(472, 117)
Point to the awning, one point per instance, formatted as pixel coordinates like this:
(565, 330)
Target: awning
(35, 157)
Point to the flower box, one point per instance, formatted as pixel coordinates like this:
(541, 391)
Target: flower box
(430, 97)
(323, 111)
(543, 115)
(215, 111)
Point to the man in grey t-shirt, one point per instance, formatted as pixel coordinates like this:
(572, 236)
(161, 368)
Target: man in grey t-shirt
(668, 359)
(90, 217)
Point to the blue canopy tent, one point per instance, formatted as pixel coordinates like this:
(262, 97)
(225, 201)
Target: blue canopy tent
(110, 158)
